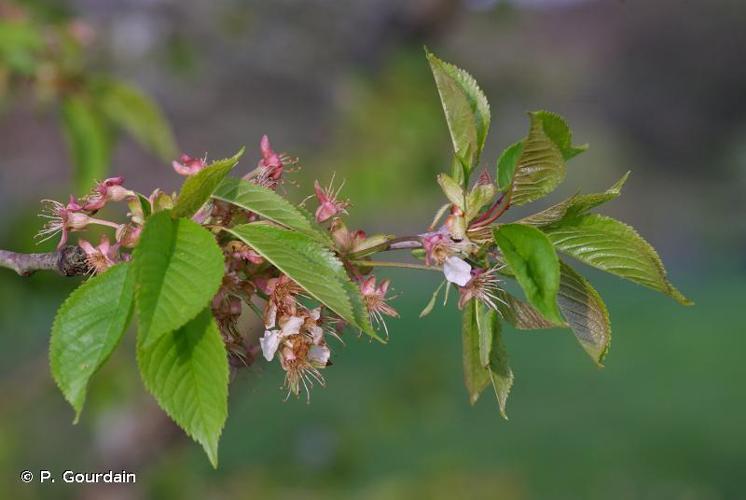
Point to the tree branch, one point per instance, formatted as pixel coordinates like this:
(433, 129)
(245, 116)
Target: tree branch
(67, 261)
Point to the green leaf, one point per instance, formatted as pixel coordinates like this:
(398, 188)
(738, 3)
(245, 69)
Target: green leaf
(506, 165)
(614, 247)
(431, 303)
(486, 319)
(87, 328)
(187, 372)
(466, 109)
(476, 376)
(585, 202)
(178, 268)
(501, 375)
(21, 43)
(540, 167)
(88, 140)
(520, 314)
(574, 206)
(549, 215)
(484, 355)
(559, 132)
(453, 191)
(129, 108)
(267, 204)
(585, 312)
(531, 257)
(198, 188)
(310, 265)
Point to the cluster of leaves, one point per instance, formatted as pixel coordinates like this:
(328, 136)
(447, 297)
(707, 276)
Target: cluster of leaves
(47, 52)
(527, 249)
(182, 261)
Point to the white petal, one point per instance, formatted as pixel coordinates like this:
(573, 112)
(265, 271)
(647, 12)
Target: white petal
(269, 343)
(319, 355)
(292, 325)
(317, 333)
(457, 271)
(315, 314)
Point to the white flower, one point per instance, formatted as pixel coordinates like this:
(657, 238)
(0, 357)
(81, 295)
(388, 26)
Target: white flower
(271, 340)
(457, 271)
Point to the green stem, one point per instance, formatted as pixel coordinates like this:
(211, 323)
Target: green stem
(402, 265)
(399, 243)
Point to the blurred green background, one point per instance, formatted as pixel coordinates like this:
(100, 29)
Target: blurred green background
(655, 87)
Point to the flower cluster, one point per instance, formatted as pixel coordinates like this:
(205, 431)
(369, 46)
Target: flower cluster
(295, 332)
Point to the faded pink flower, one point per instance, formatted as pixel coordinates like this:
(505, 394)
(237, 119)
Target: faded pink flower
(110, 189)
(484, 285)
(329, 204)
(270, 160)
(101, 257)
(375, 299)
(269, 170)
(438, 247)
(188, 165)
(62, 219)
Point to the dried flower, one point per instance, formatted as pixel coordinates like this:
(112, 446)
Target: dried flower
(302, 350)
(240, 251)
(101, 257)
(281, 301)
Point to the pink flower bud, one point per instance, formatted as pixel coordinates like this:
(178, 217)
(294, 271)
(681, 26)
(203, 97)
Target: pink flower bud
(188, 165)
(110, 189)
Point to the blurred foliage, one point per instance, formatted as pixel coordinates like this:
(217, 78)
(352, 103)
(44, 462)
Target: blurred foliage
(45, 49)
(385, 157)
